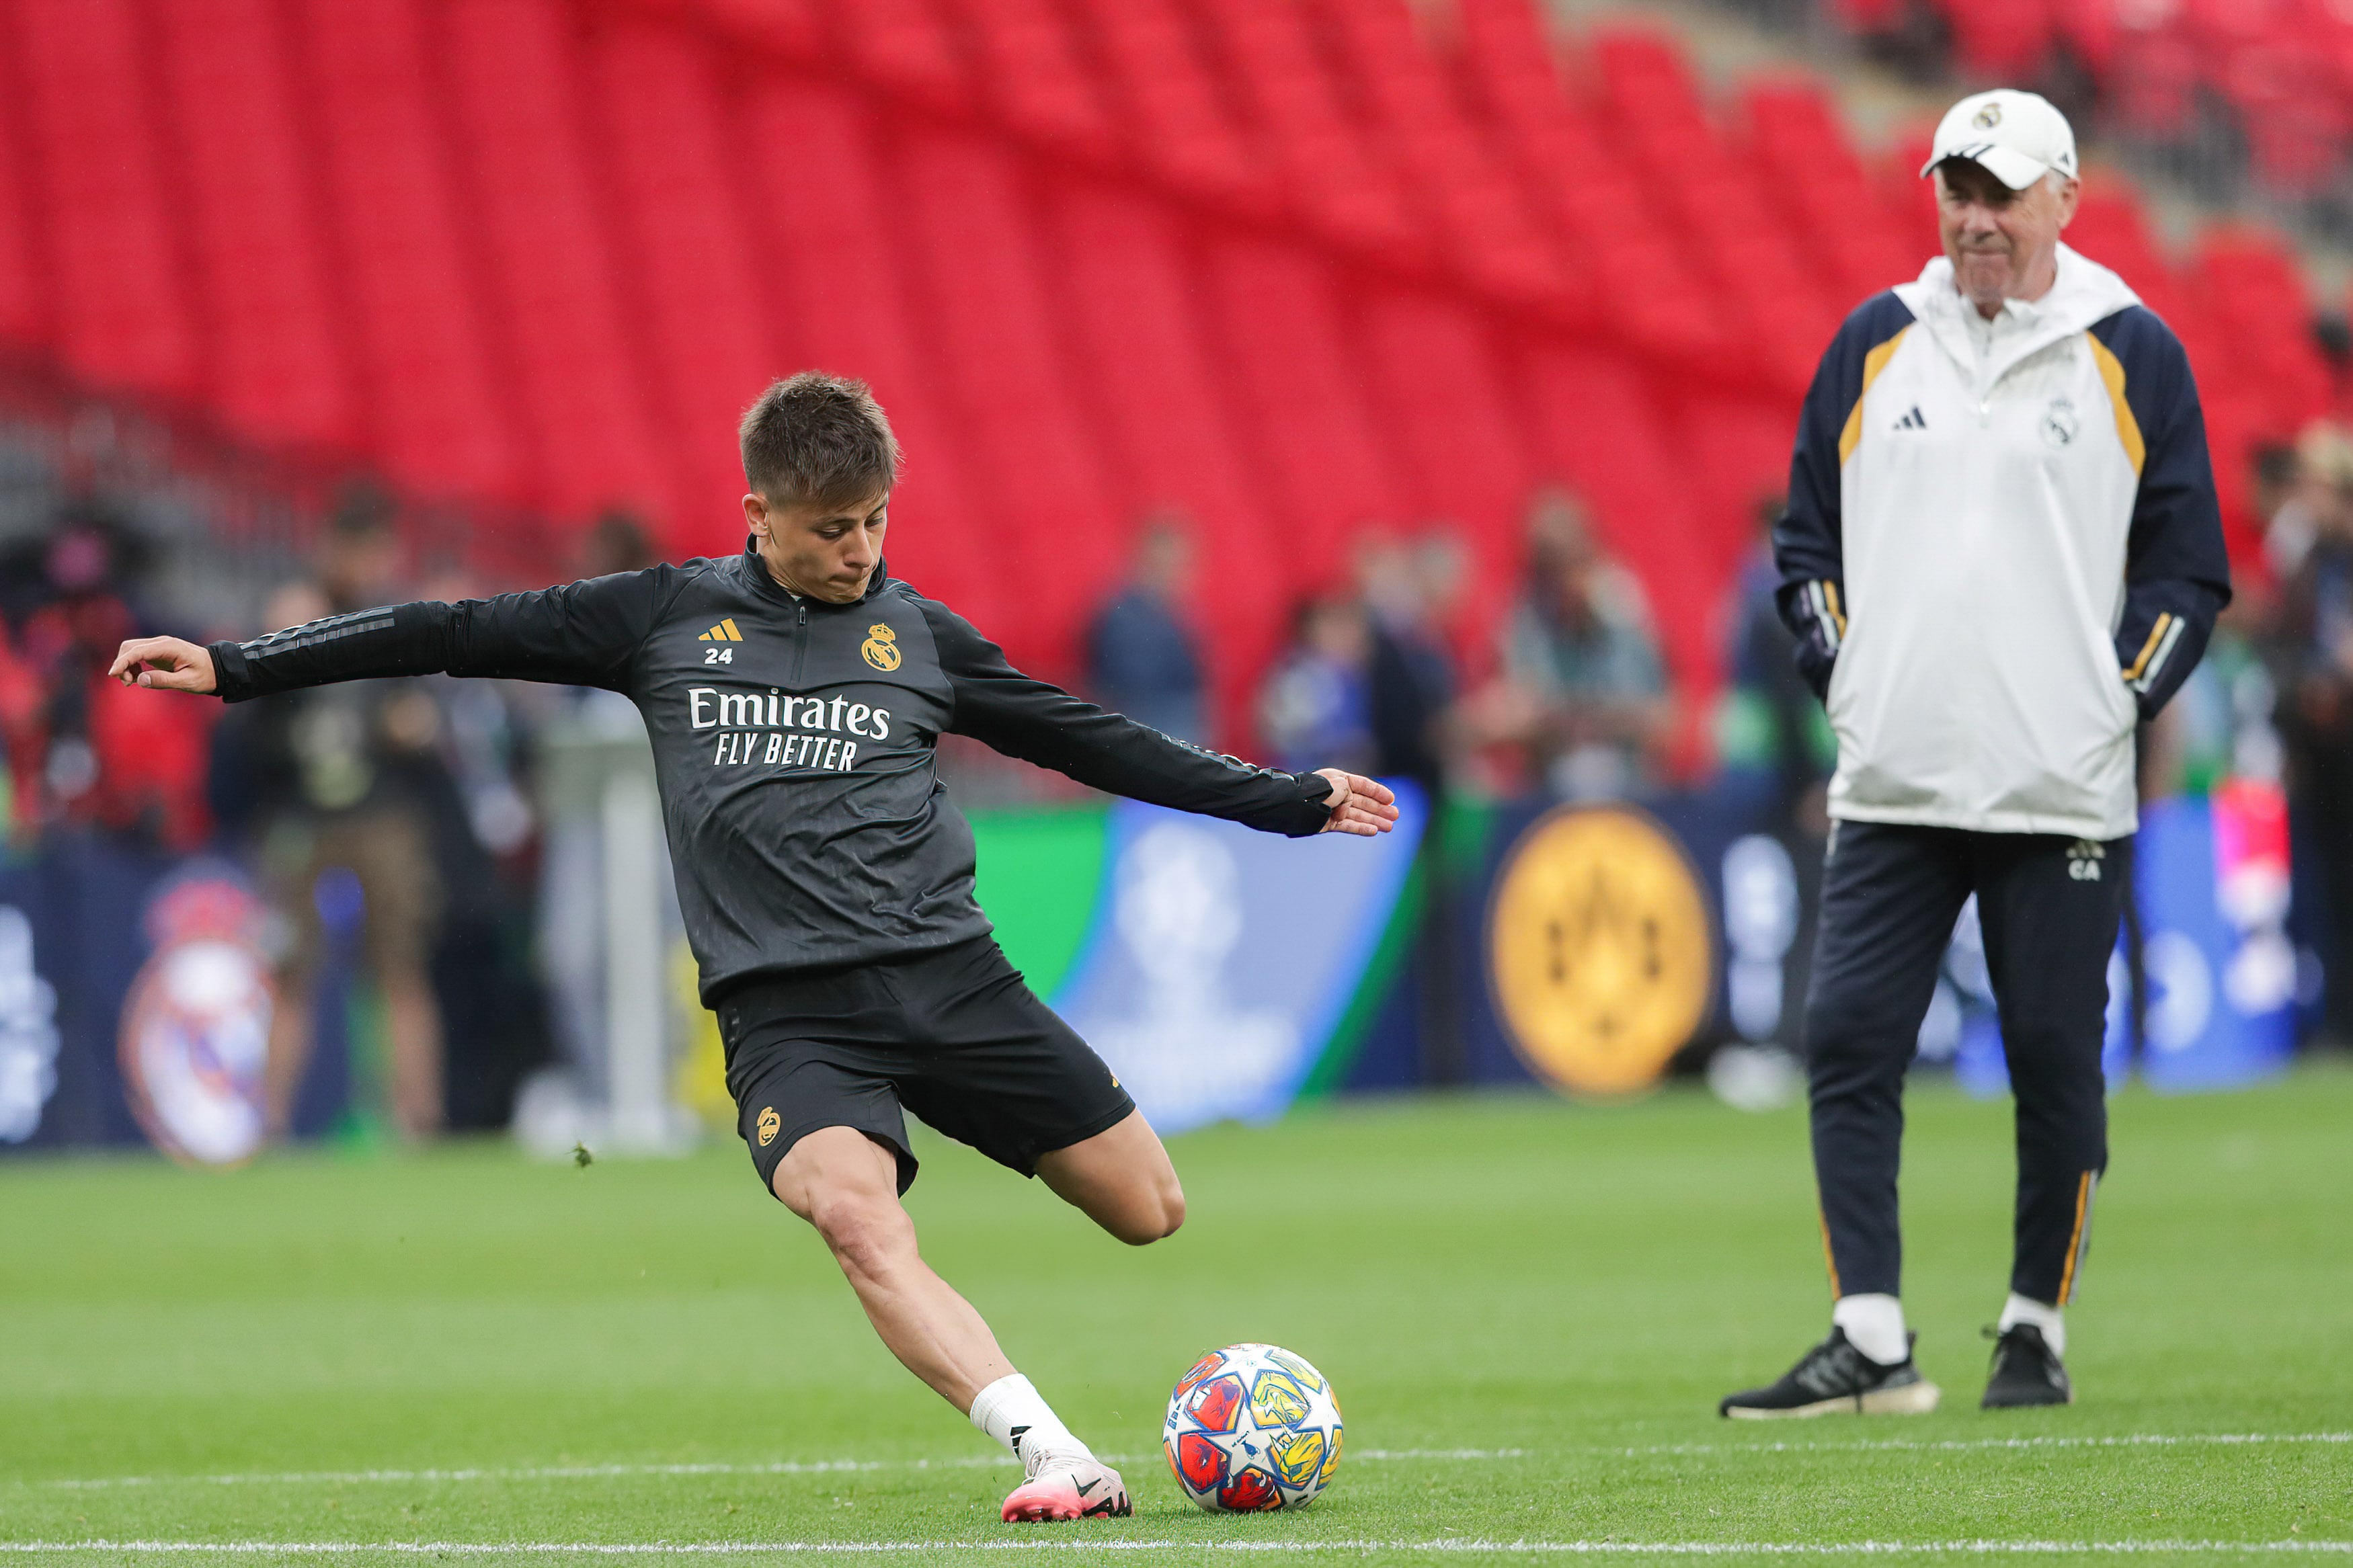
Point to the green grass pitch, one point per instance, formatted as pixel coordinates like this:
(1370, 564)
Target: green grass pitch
(1528, 1308)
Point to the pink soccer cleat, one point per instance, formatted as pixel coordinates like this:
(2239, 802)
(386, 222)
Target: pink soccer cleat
(1068, 1488)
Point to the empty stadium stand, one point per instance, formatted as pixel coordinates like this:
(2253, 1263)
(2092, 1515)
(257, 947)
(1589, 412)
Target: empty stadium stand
(1300, 268)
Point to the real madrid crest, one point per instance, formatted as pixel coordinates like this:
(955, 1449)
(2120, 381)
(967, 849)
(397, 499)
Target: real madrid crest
(1989, 117)
(2059, 423)
(1600, 949)
(881, 647)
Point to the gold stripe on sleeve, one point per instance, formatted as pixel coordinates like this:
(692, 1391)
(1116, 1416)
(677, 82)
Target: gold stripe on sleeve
(2112, 375)
(1873, 363)
(2155, 635)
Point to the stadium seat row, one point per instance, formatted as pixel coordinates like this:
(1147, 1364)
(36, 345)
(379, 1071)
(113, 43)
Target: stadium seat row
(1301, 268)
(2284, 67)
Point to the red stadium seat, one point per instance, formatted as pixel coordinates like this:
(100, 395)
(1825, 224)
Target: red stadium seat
(415, 318)
(1446, 412)
(793, 30)
(1336, 181)
(275, 366)
(24, 305)
(1647, 86)
(825, 221)
(1156, 383)
(904, 47)
(2000, 40)
(124, 316)
(1276, 318)
(689, 259)
(517, 91)
(968, 226)
(1490, 238)
(1035, 76)
(1184, 128)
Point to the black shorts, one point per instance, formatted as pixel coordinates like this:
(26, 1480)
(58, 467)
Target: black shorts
(955, 1036)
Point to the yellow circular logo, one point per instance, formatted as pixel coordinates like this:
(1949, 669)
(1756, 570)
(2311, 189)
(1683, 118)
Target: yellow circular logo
(880, 647)
(1600, 949)
(769, 1125)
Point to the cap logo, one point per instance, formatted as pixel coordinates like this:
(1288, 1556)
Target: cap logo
(1989, 117)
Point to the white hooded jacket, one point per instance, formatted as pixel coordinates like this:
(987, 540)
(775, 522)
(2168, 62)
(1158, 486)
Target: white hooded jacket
(2001, 551)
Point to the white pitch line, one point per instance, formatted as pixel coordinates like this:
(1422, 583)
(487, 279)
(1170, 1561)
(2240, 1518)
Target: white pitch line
(608, 1472)
(1451, 1545)
(982, 1461)
(2135, 1440)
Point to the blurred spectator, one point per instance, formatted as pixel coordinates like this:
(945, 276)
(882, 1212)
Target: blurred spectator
(2221, 724)
(1584, 687)
(575, 751)
(81, 748)
(1317, 704)
(1768, 725)
(339, 779)
(1141, 657)
(2318, 481)
(2313, 665)
(482, 830)
(1410, 589)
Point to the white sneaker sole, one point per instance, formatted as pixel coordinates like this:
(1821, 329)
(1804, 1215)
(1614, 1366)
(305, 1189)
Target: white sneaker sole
(1912, 1399)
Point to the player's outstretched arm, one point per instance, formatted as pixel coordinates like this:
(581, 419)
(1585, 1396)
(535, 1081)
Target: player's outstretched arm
(166, 664)
(1359, 806)
(583, 634)
(1039, 722)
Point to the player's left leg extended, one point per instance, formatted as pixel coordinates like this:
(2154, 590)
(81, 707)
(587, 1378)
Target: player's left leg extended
(2050, 908)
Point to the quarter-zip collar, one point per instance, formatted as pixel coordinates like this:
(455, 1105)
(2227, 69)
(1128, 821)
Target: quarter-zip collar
(755, 574)
(2082, 293)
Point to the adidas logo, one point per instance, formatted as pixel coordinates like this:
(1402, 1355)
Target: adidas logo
(723, 631)
(1911, 420)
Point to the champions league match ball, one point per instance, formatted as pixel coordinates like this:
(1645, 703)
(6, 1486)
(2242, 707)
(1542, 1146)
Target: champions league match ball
(1251, 1428)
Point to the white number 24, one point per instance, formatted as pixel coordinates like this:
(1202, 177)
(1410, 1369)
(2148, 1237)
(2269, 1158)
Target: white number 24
(719, 656)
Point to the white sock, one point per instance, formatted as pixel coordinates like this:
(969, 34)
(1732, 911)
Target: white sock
(1874, 1325)
(1017, 1415)
(2051, 1319)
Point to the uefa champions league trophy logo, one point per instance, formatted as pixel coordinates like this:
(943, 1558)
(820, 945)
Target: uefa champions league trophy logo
(1183, 1050)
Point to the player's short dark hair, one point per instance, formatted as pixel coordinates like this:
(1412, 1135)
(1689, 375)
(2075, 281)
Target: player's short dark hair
(818, 438)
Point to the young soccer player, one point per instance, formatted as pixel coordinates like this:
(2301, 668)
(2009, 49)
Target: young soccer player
(794, 694)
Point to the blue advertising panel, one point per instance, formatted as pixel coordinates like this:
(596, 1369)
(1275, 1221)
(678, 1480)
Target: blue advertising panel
(1221, 959)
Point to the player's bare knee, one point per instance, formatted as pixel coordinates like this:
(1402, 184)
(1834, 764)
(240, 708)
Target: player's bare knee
(1155, 1215)
(867, 1234)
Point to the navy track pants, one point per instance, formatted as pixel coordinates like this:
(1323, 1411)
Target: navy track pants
(2050, 908)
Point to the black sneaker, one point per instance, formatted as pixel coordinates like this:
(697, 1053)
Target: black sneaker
(2026, 1371)
(1836, 1379)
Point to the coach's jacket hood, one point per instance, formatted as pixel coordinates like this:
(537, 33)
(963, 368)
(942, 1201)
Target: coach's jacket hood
(1995, 570)
(2084, 293)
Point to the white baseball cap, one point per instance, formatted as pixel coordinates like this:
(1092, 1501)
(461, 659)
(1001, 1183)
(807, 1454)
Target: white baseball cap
(2020, 136)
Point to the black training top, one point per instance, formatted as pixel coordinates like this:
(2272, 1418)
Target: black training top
(792, 742)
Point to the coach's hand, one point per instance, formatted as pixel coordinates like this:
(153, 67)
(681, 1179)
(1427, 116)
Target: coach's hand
(167, 664)
(1359, 806)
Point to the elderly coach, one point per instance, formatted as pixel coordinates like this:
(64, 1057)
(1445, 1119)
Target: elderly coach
(2001, 552)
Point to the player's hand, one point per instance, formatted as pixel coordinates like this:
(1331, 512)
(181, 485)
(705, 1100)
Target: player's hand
(1359, 806)
(167, 664)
